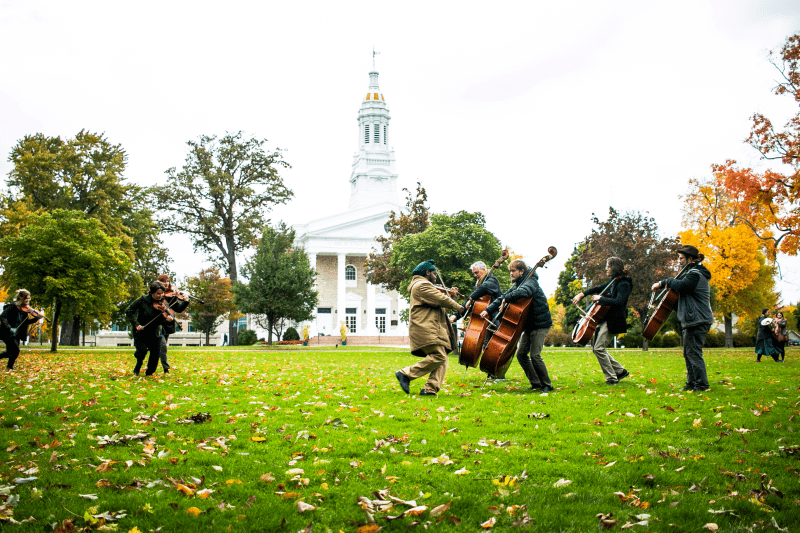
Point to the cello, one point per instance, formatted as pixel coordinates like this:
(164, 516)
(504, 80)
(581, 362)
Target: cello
(586, 326)
(475, 332)
(497, 355)
(667, 299)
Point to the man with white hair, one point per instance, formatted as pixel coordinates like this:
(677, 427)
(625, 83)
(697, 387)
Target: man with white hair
(484, 285)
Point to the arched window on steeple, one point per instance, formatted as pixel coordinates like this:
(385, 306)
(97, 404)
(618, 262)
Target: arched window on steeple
(385, 134)
(377, 134)
(366, 133)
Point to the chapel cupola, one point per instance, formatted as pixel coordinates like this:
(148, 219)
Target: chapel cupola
(373, 179)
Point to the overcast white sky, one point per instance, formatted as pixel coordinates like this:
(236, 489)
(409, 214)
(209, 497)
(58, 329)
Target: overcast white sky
(537, 114)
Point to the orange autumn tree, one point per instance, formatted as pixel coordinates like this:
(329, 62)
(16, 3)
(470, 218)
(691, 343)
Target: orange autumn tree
(772, 197)
(742, 279)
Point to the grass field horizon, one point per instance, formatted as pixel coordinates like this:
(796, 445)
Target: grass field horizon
(323, 439)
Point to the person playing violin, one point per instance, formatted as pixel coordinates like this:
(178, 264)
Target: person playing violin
(14, 322)
(694, 314)
(538, 323)
(147, 315)
(429, 331)
(178, 303)
(615, 321)
(489, 286)
(781, 336)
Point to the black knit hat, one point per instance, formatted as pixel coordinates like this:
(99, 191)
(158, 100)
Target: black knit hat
(690, 251)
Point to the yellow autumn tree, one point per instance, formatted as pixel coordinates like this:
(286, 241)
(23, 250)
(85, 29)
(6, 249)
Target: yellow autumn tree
(742, 280)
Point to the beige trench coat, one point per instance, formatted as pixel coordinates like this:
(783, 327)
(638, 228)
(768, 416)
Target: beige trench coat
(428, 324)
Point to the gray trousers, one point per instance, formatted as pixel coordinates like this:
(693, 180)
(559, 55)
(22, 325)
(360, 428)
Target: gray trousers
(693, 339)
(162, 354)
(434, 363)
(533, 365)
(610, 367)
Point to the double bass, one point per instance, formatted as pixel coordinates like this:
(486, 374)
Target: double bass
(586, 326)
(475, 333)
(667, 299)
(498, 352)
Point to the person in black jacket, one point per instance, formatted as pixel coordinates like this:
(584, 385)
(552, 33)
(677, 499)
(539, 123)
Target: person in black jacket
(147, 322)
(618, 289)
(694, 314)
(536, 325)
(764, 344)
(14, 324)
(489, 286)
(178, 303)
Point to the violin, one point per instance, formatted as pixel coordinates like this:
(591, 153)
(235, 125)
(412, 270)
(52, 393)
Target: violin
(452, 292)
(172, 292)
(33, 313)
(667, 300)
(475, 332)
(586, 326)
(166, 312)
(500, 348)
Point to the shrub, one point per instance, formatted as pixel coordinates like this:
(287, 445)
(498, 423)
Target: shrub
(741, 340)
(715, 339)
(631, 340)
(291, 334)
(247, 337)
(557, 338)
(670, 340)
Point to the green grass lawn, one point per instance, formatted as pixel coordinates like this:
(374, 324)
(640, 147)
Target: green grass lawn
(324, 440)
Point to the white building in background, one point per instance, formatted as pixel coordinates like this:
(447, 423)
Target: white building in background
(338, 245)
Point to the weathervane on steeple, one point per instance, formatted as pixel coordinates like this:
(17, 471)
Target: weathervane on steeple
(374, 53)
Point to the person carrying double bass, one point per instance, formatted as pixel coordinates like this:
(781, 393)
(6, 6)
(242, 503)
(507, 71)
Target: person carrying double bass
(147, 315)
(178, 303)
(615, 321)
(694, 314)
(538, 323)
(428, 330)
(14, 322)
(489, 286)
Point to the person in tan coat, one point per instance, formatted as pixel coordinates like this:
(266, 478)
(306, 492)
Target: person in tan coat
(428, 330)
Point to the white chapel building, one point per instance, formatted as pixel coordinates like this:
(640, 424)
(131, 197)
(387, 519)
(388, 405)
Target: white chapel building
(338, 245)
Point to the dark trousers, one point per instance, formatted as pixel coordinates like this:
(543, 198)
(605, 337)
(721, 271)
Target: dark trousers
(12, 349)
(529, 356)
(162, 353)
(693, 339)
(144, 345)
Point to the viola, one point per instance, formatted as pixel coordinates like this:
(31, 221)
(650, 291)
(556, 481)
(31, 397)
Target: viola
(667, 300)
(172, 292)
(586, 326)
(500, 348)
(477, 327)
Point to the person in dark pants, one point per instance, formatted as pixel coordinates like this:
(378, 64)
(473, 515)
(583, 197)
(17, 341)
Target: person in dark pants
(764, 344)
(538, 323)
(147, 315)
(615, 321)
(780, 334)
(178, 303)
(14, 324)
(489, 286)
(694, 314)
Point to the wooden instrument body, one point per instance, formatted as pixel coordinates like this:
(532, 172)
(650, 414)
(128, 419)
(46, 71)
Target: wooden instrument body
(660, 315)
(587, 325)
(475, 335)
(500, 349)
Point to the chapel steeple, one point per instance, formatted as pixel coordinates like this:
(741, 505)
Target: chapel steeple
(373, 179)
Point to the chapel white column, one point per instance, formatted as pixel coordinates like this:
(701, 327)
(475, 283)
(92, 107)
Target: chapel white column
(371, 328)
(312, 260)
(340, 291)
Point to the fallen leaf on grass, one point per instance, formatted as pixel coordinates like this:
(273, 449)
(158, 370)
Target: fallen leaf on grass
(88, 496)
(561, 483)
(302, 507)
(606, 520)
(205, 493)
(489, 523)
(440, 509)
(232, 481)
(193, 511)
(711, 527)
(461, 472)
(266, 478)
(369, 528)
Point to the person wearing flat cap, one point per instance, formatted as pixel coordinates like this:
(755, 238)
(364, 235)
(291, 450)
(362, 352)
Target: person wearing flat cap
(429, 331)
(694, 314)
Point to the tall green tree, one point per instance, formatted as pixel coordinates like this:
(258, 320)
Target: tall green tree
(379, 267)
(634, 238)
(86, 174)
(454, 242)
(281, 281)
(215, 291)
(221, 196)
(65, 258)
